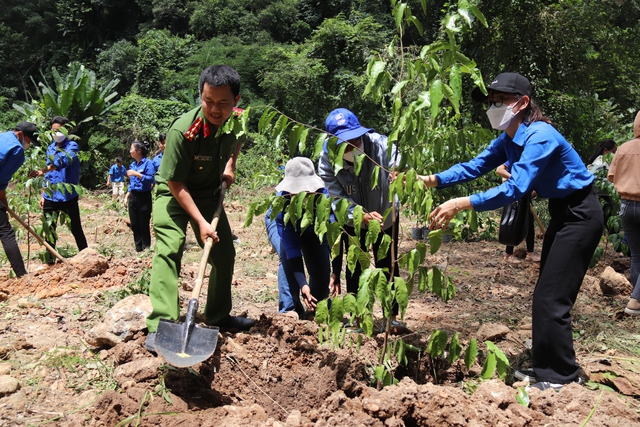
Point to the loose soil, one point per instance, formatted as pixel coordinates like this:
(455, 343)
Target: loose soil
(278, 374)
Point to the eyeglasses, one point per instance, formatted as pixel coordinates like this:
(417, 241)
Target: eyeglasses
(498, 101)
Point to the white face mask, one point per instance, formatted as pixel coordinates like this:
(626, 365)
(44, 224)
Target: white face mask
(59, 137)
(500, 117)
(353, 154)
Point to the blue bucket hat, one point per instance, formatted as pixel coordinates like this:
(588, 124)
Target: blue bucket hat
(345, 125)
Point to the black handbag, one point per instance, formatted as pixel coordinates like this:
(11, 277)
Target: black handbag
(514, 223)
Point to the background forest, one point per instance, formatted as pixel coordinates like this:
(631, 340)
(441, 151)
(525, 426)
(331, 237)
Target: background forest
(124, 69)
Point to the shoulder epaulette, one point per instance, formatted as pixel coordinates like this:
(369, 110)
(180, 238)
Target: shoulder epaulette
(195, 128)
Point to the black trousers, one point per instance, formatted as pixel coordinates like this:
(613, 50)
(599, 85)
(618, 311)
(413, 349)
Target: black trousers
(140, 217)
(11, 249)
(569, 243)
(70, 207)
(353, 278)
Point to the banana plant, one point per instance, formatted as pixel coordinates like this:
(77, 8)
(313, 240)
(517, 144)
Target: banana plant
(78, 96)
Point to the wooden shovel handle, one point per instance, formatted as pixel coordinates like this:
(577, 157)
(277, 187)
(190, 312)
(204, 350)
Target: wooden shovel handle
(208, 244)
(30, 230)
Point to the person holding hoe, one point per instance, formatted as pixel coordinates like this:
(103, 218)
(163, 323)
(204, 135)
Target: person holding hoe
(12, 147)
(542, 160)
(198, 157)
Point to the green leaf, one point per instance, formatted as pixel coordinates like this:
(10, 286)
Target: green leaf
(336, 315)
(366, 324)
(489, 366)
(372, 233)
(375, 177)
(322, 312)
(402, 294)
(266, 118)
(455, 349)
(308, 215)
(341, 211)
(357, 217)
(249, 219)
(398, 14)
(476, 12)
(437, 343)
(383, 249)
(413, 261)
(522, 397)
(471, 353)
(319, 144)
(435, 240)
(322, 215)
(436, 95)
(294, 138)
(349, 303)
(400, 351)
(502, 363)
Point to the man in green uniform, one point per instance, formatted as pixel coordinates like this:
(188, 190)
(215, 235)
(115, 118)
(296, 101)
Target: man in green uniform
(198, 156)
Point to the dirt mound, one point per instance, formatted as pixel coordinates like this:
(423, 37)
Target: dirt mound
(278, 374)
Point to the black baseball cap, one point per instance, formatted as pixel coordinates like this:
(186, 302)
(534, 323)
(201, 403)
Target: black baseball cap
(29, 129)
(507, 83)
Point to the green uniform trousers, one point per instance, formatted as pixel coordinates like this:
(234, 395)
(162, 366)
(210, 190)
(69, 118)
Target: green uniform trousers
(170, 224)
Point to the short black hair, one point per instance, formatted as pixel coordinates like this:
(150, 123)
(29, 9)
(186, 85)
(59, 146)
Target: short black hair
(221, 75)
(118, 159)
(162, 137)
(61, 120)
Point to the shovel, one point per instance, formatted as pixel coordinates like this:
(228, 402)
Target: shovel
(38, 238)
(186, 344)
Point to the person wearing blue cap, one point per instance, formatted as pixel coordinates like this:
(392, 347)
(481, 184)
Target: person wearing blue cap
(542, 160)
(12, 147)
(358, 190)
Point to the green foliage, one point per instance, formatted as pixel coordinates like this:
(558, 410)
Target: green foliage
(139, 286)
(118, 62)
(159, 63)
(578, 56)
(78, 96)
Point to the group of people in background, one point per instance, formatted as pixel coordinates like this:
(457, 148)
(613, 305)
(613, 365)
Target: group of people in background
(138, 198)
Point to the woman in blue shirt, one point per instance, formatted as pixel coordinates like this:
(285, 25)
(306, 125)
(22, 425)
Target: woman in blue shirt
(300, 248)
(138, 198)
(541, 160)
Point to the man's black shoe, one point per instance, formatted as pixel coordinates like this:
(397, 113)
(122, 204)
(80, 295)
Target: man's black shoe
(235, 322)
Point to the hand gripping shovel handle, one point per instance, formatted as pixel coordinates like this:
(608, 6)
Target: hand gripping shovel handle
(193, 303)
(208, 244)
(30, 230)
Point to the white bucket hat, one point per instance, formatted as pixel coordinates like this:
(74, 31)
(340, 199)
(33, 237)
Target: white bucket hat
(299, 176)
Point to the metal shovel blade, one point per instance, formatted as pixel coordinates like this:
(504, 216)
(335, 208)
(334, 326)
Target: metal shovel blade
(182, 349)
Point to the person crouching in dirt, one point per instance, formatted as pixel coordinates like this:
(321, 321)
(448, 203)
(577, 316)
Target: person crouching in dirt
(196, 160)
(541, 160)
(13, 144)
(138, 197)
(302, 247)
